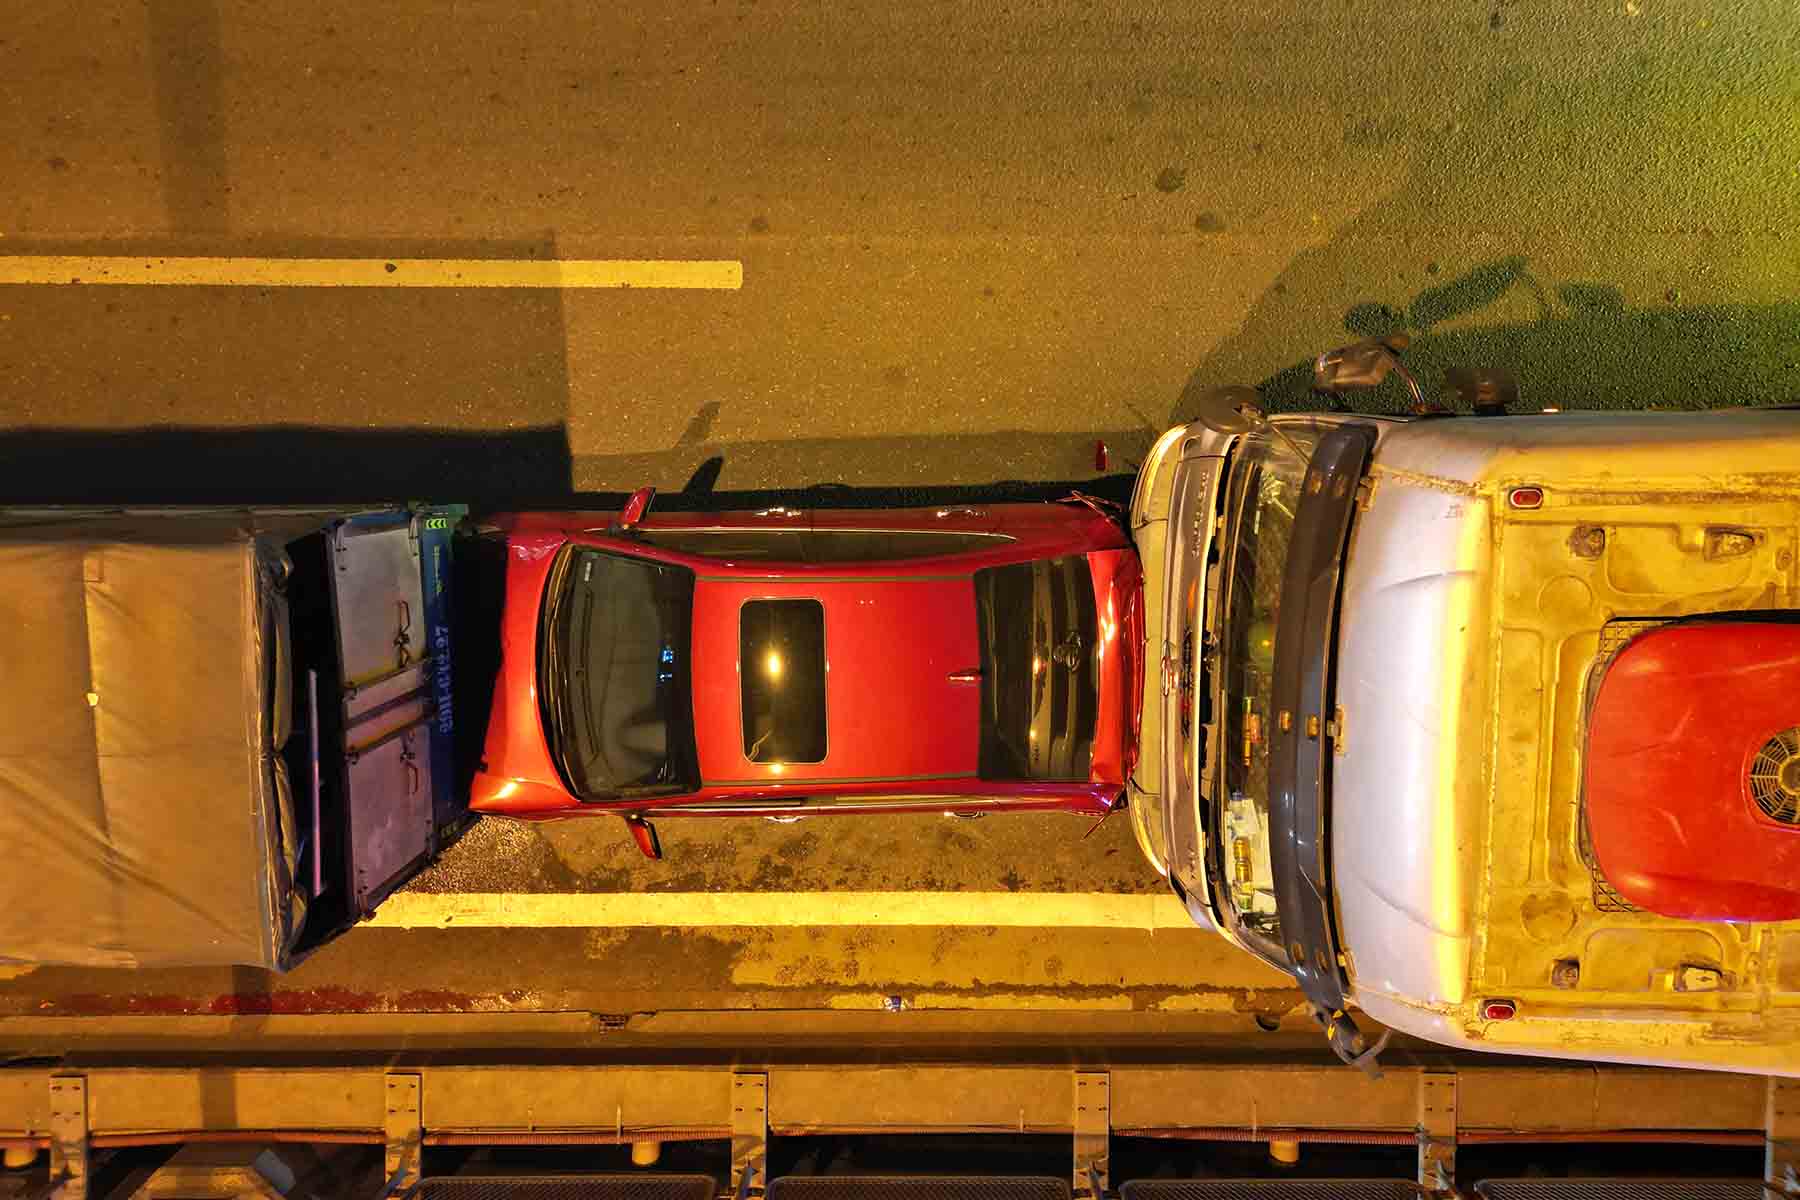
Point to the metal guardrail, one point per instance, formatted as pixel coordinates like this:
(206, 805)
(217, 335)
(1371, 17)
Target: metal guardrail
(76, 1112)
(1619, 1189)
(1269, 1189)
(918, 1187)
(1616, 1188)
(568, 1187)
(894, 1187)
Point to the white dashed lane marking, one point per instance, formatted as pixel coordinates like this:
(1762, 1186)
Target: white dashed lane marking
(108, 271)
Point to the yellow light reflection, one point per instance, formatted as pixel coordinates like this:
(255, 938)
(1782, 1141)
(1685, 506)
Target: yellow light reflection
(772, 664)
(1455, 783)
(777, 768)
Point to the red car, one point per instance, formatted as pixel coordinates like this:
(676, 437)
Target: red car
(787, 662)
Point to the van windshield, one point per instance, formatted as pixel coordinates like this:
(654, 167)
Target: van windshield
(614, 674)
(1265, 493)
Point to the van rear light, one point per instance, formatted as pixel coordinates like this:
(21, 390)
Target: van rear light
(1525, 497)
(1498, 1010)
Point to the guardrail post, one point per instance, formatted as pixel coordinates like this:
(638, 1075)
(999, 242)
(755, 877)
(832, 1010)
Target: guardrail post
(403, 1131)
(69, 1136)
(1093, 1133)
(1781, 1162)
(749, 1134)
(1437, 1131)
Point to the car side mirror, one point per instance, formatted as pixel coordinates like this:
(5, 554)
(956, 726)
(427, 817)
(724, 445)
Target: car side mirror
(1358, 366)
(1234, 409)
(635, 508)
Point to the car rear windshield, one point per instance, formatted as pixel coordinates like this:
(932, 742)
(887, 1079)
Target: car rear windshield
(1039, 696)
(781, 667)
(616, 685)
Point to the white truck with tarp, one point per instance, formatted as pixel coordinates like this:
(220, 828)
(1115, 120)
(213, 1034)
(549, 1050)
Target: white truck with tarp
(225, 734)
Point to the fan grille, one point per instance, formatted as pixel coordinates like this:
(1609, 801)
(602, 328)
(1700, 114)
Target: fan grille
(1775, 777)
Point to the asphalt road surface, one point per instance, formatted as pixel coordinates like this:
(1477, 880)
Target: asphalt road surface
(972, 238)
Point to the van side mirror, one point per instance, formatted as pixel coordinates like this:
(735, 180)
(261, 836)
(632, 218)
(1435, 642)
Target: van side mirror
(1363, 365)
(1358, 366)
(1234, 409)
(635, 508)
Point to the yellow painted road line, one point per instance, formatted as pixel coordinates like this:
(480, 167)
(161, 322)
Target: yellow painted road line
(703, 910)
(108, 271)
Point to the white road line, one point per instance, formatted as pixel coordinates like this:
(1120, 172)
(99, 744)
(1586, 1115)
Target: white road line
(700, 910)
(705, 274)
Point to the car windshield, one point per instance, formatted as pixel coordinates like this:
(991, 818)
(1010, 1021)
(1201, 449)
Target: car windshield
(615, 679)
(1265, 492)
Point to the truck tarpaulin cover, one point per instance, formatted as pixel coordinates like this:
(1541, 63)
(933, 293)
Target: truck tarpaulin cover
(144, 808)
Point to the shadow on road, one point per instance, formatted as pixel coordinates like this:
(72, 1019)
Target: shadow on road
(342, 395)
(1586, 348)
(897, 470)
(279, 466)
(273, 395)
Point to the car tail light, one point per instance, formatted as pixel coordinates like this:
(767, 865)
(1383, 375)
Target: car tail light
(1498, 1010)
(1525, 497)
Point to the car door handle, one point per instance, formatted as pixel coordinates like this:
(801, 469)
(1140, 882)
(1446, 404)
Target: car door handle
(961, 510)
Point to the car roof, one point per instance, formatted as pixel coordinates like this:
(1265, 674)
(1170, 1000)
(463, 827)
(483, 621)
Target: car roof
(892, 714)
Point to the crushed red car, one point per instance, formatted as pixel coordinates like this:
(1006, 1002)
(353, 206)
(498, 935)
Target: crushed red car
(787, 662)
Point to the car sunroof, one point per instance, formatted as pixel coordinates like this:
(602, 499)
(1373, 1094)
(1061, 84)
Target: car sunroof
(781, 669)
